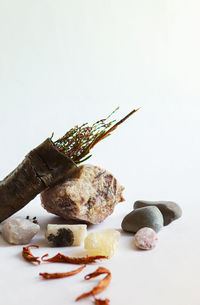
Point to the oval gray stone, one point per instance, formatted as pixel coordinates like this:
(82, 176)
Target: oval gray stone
(169, 209)
(144, 217)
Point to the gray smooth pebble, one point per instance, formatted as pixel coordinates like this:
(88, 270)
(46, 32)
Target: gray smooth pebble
(143, 217)
(169, 209)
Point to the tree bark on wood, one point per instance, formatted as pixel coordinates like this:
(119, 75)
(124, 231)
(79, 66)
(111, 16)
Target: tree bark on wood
(43, 167)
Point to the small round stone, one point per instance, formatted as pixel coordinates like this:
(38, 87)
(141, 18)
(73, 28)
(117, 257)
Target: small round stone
(146, 239)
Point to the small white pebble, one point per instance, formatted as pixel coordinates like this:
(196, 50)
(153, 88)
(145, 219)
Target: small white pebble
(19, 231)
(146, 238)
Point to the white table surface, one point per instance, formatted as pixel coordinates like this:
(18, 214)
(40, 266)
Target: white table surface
(67, 62)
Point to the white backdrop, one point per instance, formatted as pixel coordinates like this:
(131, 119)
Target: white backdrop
(67, 62)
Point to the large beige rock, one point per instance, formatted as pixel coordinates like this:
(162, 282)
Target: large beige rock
(89, 195)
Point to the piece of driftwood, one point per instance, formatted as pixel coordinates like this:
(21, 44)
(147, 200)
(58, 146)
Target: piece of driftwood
(43, 167)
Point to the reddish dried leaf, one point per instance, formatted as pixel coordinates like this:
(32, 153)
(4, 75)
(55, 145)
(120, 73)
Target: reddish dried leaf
(26, 253)
(60, 258)
(49, 276)
(102, 284)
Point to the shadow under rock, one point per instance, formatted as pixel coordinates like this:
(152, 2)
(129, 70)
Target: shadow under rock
(130, 240)
(123, 233)
(53, 219)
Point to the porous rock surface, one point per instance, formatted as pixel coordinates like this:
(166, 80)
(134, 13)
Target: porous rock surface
(88, 195)
(65, 235)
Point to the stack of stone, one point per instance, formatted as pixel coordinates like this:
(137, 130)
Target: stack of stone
(148, 218)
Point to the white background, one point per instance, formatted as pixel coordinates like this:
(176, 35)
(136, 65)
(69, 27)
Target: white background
(67, 62)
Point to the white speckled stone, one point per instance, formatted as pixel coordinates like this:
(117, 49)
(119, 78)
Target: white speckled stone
(19, 231)
(146, 238)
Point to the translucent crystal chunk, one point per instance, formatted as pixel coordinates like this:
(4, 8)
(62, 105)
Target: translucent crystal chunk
(102, 243)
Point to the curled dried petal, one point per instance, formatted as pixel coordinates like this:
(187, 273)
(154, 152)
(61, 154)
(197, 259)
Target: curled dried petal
(49, 276)
(102, 284)
(26, 253)
(101, 302)
(60, 258)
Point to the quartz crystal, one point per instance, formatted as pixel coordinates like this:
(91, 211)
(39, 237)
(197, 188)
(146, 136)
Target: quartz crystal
(19, 231)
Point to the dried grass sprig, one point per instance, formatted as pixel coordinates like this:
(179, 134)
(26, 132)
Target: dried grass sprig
(79, 140)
